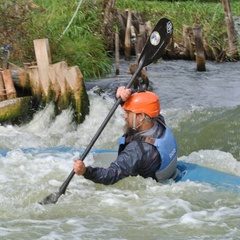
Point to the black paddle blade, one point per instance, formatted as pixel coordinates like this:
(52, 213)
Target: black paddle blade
(52, 198)
(157, 42)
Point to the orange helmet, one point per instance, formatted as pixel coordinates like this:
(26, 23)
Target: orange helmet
(143, 102)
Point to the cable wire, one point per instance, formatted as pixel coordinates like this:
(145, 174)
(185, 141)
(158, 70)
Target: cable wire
(74, 15)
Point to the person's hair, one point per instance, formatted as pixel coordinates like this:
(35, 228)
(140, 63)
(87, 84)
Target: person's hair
(147, 118)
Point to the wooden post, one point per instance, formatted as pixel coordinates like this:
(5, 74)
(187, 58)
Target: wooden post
(141, 40)
(8, 83)
(127, 42)
(232, 38)
(34, 80)
(187, 37)
(117, 52)
(19, 75)
(108, 6)
(55, 87)
(60, 77)
(5, 59)
(2, 89)
(43, 57)
(200, 56)
(148, 28)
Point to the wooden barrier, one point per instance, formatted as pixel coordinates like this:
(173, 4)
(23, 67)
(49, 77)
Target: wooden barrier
(8, 83)
(43, 57)
(2, 88)
(127, 42)
(35, 84)
(200, 55)
(117, 52)
(232, 36)
(187, 41)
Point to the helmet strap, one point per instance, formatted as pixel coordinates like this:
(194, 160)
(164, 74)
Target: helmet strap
(134, 122)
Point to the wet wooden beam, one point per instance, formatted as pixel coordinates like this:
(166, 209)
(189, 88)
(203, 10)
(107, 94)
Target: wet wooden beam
(8, 83)
(127, 42)
(43, 57)
(232, 36)
(187, 41)
(2, 88)
(117, 52)
(200, 55)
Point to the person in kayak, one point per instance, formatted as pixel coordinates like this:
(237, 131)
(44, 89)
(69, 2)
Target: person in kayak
(148, 147)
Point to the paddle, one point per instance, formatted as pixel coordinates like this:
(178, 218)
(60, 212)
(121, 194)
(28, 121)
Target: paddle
(152, 51)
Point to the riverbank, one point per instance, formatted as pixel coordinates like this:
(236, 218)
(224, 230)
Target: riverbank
(41, 19)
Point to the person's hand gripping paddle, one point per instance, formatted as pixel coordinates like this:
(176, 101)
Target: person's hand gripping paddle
(152, 51)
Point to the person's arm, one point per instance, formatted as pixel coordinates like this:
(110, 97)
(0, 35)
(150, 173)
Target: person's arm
(126, 164)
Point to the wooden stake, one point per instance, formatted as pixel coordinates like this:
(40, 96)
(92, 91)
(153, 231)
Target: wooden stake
(34, 80)
(43, 57)
(127, 42)
(200, 56)
(2, 88)
(8, 83)
(187, 33)
(117, 52)
(232, 37)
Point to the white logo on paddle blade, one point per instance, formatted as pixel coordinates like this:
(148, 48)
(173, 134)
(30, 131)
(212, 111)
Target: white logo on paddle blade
(169, 27)
(155, 38)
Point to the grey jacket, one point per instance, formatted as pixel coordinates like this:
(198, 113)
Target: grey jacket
(132, 160)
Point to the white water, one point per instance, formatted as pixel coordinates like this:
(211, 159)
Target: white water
(134, 208)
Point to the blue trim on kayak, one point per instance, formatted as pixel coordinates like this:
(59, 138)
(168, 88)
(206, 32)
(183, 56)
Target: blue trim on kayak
(55, 149)
(197, 173)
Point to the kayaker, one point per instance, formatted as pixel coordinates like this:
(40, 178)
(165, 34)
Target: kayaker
(148, 147)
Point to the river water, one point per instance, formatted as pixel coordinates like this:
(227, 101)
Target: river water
(202, 109)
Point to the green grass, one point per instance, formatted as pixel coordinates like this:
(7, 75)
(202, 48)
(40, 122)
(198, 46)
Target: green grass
(209, 14)
(83, 43)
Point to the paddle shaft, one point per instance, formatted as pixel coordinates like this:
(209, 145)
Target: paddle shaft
(64, 186)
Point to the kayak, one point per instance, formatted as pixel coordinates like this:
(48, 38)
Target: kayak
(188, 172)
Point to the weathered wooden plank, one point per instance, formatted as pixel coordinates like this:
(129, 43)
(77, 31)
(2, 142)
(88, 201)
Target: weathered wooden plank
(117, 55)
(8, 83)
(127, 42)
(54, 82)
(43, 57)
(2, 88)
(200, 55)
(34, 80)
(13, 109)
(187, 41)
(232, 36)
(74, 78)
(60, 77)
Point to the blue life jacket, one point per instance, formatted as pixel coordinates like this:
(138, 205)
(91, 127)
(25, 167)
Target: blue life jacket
(167, 148)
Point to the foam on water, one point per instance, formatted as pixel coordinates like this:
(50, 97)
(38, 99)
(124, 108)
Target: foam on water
(132, 208)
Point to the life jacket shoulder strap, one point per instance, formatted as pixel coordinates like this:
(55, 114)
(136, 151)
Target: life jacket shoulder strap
(139, 142)
(148, 139)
